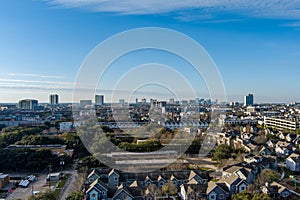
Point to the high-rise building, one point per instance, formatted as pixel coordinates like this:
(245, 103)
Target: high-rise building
(248, 100)
(162, 104)
(28, 104)
(84, 103)
(122, 101)
(99, 100)
(171, 100)
(53, 99)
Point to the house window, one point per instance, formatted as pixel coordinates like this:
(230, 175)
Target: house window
(285, 194)
(91, 180)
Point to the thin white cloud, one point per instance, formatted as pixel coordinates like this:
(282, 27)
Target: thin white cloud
(34, 75)
(34, 81)
(281, 9)
(292, 24)
(34, 84)
(43, 85)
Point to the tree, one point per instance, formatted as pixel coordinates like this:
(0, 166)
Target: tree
(246, 195)
(260, 196)
(11, 135)
(242, 196)
(266, 175)
(78, 195)
(26, 159)
(269, 176)
(169, 189)
(154, 190)
(90, 162)
(194, 148)
(39, 140)
(147, 146)
(260, 139)
(222, 152)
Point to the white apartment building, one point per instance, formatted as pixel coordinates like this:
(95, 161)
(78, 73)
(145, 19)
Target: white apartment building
(282, 123)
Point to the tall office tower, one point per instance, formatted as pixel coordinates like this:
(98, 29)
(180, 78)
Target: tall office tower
(171, 100)
(84, 103)
(122, 101)
(248, 100)
(28, 104)
(53, 99)
(99, 100)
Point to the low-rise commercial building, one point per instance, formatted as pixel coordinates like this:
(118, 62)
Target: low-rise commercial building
(4, 180)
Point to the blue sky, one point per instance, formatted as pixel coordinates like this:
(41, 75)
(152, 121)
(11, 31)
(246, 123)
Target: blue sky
(255, 45)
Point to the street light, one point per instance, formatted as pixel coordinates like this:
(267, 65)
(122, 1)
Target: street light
(62, 163)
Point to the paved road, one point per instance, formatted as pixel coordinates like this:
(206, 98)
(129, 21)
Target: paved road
(70, 185)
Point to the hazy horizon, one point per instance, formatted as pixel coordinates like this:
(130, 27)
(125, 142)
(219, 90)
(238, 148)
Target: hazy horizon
(255, 45)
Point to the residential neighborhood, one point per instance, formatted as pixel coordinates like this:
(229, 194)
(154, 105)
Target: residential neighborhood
(149, 100)
(249, 156)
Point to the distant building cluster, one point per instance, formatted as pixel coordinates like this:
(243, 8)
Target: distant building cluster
(28, 104)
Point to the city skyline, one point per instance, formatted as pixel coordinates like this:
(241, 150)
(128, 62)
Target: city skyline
(43, 44)
(248, 100)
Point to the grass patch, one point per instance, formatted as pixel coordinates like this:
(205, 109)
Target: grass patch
(61, 184)
(63, 181)
(56, 193)
(206, 169)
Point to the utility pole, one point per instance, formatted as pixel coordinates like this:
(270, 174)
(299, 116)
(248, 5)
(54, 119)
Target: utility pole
(49, 177)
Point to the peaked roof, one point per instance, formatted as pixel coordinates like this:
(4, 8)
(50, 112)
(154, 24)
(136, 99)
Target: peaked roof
(97, 184)
(113, 171)
(192, 181)
(212, 185)
(232, 179)
(94, 172)
(134, 184)
(124, 188)
(160, 178)
(281, 188)
(264, 148)
(148, 178)
(194, 173)
(294, 155)
(173, 177)
(244, 171)
(232, 169)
